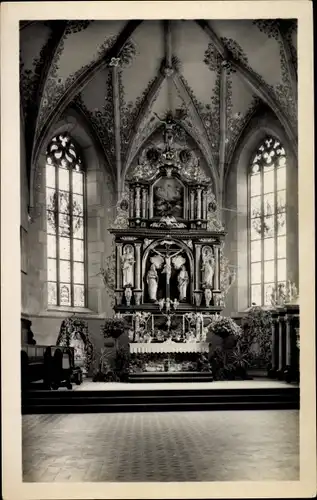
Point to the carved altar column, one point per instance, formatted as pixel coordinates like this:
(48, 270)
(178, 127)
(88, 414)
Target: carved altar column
(197, 266)
(198, 327)
(131, 203)
(273, 348)
(137, 202)
(118, 265)
(144, 203)
(192, 205)
(204, 215)
(288, 342)
(198, 215)
(217, 269)
(281, 353)
(137, 265)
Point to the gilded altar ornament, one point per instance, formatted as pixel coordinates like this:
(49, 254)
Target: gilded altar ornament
(227, 278)
(208, 296)
(118, 297)
(198, 297)
(108, 273)
(168, 221)
(122, 211)
(128, 295)
(137, 296)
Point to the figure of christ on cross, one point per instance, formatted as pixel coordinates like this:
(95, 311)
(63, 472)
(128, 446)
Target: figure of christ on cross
(168, 265)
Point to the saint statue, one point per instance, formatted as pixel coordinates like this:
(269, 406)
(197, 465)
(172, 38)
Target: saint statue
(127, 265)
(79, 350)
(183, 280)
(168, 263)
(152, 280)
(208, 267)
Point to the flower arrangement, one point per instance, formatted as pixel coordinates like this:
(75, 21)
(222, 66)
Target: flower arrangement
(224, 326)
(114, 327)
(73, 329)
(182, 361)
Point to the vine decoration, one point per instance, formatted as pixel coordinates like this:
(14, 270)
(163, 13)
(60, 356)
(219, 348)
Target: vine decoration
(213, 213)
(210, 116)
(274, 29)
(227, 278)
(73, 329)
(122, 211)
(215, 61)
(102, 119)
(56, 86)
(279, 29)
(128, 113)
(108, 274)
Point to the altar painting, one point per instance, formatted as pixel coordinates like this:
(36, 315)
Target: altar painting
(168, 198)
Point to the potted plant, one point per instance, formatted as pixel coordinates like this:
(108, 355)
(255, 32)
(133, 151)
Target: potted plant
(224, 327)
(229, 333)
(110, 359)
(113, 327)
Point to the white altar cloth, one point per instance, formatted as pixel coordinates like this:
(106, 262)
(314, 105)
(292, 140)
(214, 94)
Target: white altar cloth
(169, 347)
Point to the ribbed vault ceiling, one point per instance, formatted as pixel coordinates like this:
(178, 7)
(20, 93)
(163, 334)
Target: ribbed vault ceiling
(125, 76)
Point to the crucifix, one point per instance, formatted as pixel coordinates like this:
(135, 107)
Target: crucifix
(168, 265)
(167, 269)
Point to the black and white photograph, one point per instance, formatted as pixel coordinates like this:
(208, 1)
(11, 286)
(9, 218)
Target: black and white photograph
(160, 290)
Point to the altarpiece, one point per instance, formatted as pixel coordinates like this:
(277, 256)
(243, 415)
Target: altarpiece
(168, 250)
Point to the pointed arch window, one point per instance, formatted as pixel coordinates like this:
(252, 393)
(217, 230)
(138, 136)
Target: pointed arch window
(65, 222)
(267, 212)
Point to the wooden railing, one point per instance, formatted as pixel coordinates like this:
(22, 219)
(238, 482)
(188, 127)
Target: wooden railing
(285, 342)
(285, 351)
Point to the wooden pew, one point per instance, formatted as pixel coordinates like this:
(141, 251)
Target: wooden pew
(48, 366)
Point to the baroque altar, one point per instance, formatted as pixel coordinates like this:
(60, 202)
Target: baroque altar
(168, 250)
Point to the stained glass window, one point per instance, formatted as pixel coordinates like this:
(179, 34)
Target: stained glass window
(267, 211)
(65, 188)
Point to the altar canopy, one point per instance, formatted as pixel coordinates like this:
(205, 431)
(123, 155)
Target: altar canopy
(168, 245)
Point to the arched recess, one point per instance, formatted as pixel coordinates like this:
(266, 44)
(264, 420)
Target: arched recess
(154, 138)
(99, 211)
(182, 245)
(236, 194)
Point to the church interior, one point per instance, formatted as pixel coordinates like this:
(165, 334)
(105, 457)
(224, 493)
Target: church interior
(159, 250)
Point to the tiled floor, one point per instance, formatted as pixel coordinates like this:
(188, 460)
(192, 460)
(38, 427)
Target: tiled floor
(193, 446)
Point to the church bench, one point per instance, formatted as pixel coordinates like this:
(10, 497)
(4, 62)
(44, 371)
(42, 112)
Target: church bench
(52, 365)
